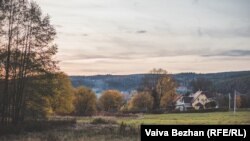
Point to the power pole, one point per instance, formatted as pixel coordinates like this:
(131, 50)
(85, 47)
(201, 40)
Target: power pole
(234, 101)
(229, 103)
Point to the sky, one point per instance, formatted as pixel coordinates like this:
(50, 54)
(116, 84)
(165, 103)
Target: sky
(135, 36)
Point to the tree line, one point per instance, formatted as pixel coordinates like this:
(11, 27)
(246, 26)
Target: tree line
(156, 92)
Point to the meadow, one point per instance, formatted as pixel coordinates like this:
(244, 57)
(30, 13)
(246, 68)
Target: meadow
(126, 128)
(194, 118)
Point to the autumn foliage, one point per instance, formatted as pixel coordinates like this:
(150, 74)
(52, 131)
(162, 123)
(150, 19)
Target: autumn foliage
(141, 102)
(85, 101)
(111, 101)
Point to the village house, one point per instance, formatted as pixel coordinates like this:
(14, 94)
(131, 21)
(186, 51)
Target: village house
(183, 103)
(195, 101)
(199, 100)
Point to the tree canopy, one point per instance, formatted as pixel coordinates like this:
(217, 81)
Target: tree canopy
(85, 101)
(141, 102)
(110, 101)
(161, 86)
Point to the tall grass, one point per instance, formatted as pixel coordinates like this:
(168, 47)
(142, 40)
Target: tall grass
(36, 126)
(88, 132)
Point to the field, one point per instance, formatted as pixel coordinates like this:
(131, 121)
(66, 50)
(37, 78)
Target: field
(126, 128)
(194, 118)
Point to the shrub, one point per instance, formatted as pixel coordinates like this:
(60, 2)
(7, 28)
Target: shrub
(110, 101)
(85, 102)
(128, 130)
(104, 121)
(141, 102)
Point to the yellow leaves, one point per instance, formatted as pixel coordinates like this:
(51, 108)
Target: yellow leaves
(167, 99)
(166, 90)
(62, 98)
(238, 101)
(110, 101)
(85, 101)
(141, 102)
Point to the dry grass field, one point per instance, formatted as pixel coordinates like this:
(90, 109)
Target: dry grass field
(125, 128)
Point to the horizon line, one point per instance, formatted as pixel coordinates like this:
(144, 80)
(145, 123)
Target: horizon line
(168, 73)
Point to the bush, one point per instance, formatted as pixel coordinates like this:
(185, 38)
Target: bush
(85, 102)
(141, 102)
(111, 101)
(210, 105)
(104, 121)
(128, 130)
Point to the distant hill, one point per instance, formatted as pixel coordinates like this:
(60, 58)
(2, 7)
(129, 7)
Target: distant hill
(128, 83)
(99, 83)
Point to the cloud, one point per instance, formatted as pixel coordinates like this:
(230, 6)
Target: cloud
(74, 34)
(94, 56)
(132, 56)
(231, 53)
(58, 26)
(149, 30)
(237, 53)
(226, 32)
(69, 4)
(85, 34)
(141, 31)
(195, 2)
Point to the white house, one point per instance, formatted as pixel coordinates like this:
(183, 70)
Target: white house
(183, 103)
(199, 100)
(195, 101)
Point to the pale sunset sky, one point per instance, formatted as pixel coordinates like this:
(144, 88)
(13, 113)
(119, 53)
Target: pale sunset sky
(134, 36)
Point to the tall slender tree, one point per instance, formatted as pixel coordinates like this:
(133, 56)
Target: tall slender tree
(27, 50)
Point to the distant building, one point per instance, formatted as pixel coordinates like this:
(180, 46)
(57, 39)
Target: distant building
(195, 101)
(199, 100)
(183, 103)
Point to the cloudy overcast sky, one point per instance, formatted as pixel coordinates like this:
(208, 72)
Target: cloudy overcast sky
(134, 36)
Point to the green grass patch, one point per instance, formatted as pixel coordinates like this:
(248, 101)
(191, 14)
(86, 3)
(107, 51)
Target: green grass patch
(242, 117)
